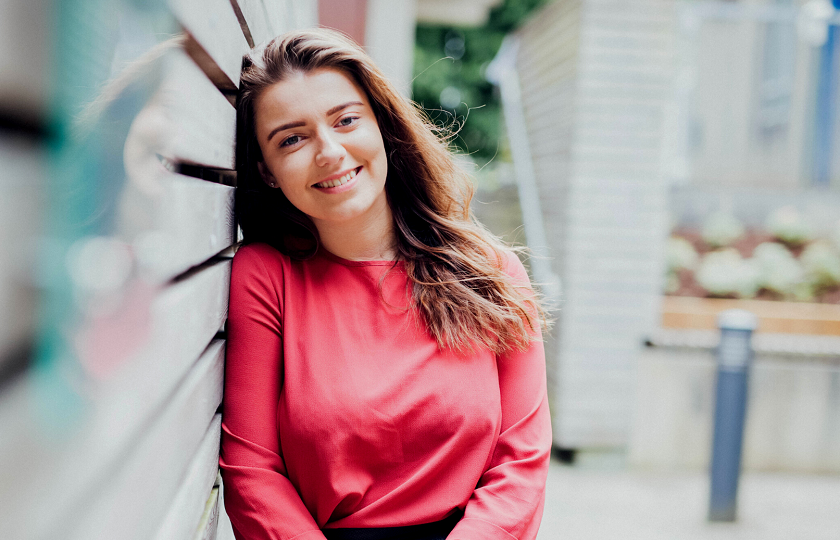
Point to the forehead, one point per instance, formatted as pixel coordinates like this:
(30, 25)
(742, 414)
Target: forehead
(303, 94)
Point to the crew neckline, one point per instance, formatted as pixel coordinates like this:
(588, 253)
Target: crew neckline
(349, 262)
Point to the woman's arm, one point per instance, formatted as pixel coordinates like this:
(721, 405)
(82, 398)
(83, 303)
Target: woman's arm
(259, 498)
(508, 501)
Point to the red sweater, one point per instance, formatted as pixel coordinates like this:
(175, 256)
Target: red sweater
(341, 411)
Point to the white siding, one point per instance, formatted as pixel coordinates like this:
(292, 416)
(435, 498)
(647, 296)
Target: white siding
(595, 80)
(113, 432)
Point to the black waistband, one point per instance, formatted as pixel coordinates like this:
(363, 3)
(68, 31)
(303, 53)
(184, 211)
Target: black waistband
(426, 531)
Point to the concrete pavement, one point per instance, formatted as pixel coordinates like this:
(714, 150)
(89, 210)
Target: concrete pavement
(602, 500)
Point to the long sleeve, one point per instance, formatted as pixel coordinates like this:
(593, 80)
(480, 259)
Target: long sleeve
(259, 498)
(508, 500)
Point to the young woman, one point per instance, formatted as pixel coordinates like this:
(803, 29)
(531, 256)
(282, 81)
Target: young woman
(385, 374)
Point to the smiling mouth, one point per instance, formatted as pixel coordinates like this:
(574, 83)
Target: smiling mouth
(338, 181)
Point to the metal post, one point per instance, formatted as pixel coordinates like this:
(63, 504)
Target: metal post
(824, 118)
(734, 355)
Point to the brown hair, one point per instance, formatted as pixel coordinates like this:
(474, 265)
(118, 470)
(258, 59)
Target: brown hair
(460, 288)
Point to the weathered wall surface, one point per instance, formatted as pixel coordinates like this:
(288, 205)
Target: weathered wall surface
(117, 229)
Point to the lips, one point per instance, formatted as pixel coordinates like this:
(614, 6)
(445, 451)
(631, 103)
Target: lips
(338, 181)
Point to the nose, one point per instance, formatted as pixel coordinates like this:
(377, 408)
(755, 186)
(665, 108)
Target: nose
(330, 151)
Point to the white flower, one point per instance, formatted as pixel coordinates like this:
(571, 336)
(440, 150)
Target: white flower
(724, 272)
(787, 225)
(680, 254)
(822, 263)
(778, 270)
(721, 229)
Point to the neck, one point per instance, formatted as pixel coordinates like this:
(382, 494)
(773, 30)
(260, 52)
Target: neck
(369, 237)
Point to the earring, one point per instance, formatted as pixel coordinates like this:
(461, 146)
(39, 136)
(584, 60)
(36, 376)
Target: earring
(271, 184)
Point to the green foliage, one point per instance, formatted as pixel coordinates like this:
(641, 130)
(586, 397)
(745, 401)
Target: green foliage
(449, 83)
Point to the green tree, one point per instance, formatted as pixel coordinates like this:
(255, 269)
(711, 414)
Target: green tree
(450, 84)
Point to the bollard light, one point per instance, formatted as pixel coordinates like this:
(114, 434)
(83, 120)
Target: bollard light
(734, 356)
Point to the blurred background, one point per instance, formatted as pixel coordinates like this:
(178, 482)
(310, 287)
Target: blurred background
(664, 160)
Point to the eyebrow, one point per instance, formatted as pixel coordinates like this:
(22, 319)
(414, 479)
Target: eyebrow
(300, 123)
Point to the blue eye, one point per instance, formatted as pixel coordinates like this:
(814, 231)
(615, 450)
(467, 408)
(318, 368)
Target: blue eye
(348, 120)
(289, 141)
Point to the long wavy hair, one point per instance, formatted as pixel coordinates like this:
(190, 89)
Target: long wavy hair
(455, 265)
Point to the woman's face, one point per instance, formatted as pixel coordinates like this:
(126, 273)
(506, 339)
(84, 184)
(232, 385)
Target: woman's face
(322, 146)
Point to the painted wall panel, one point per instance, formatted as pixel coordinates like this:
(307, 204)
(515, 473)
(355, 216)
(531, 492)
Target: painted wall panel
(187, 507)
(130, 503)
(24, 59)
(254, 19)
(21, 224)
(134, 362)
(200, 121)
(216, 30)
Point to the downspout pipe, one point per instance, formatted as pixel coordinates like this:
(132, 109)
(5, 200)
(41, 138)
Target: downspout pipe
(502, 73)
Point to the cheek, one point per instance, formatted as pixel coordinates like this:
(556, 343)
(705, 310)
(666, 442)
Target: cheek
(294, 191)
(376, 150)
(290, 170)
(289, 182)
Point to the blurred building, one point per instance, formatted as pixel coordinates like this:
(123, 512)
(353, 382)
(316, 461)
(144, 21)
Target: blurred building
(593, 81)
(640, 115)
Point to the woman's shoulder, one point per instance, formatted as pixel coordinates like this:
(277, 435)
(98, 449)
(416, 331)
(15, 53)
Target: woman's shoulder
(258, 257)
(512, 266)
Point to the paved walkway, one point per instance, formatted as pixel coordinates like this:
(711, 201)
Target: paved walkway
(604, 501)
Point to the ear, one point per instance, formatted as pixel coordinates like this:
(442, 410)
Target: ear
(267, 177)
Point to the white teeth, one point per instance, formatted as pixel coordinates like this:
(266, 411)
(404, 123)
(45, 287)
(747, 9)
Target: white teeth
(340, 182)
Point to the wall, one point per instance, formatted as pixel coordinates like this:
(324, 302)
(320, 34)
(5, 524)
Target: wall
(595, 78)
(793, 409)
(117, 193)
(750, 86)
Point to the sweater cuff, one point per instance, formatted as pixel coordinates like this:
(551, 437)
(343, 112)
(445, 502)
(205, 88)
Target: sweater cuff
(478, 529)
